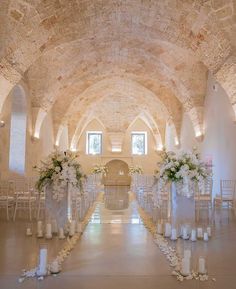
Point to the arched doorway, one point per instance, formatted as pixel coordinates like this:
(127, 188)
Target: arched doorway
(117, 184)
(118, 174)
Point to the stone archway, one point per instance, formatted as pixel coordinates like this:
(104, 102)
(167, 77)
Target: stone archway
(118, 173)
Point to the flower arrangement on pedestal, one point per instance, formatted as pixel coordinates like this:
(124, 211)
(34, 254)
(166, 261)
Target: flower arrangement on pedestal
(58, 170)
(182, 168)
(100, 169)
(135, 170)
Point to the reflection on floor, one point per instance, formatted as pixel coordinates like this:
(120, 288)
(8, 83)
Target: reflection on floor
(115, 251)
(116, 208)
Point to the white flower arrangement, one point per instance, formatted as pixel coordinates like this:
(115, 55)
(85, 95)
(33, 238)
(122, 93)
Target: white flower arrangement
(178, 168)
(135, 170)
(100, 169)
(58, 170)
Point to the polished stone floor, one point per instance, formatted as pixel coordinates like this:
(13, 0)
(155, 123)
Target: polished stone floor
(116, 251)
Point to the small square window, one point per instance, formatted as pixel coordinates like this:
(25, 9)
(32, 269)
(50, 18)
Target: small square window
(139, 143)
(94, 143)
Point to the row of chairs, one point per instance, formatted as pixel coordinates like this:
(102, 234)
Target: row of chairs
(20, 195)
(151, 197)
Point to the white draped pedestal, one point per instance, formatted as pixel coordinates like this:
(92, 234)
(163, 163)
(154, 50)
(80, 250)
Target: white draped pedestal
(182, 206)
(58, 210)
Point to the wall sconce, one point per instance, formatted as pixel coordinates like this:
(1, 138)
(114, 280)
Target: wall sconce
(2, 123)
(73, 150)
(199, 135)
(34, 139)
(36, 135)
(160, 148)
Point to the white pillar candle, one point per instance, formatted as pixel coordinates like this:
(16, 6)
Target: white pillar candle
(185, 233)
(61, 233)
(160, 228)
(201, 265)
(79, 227)
(187, 253)
(167, 230)
(209, 231)
(28, 232)
(193, 235)
(42, 268)
(72, 228)
(39, 226)
(205, 236)
(199, 233)
(54, 267)
(48, 231)
(185, 266)
(173, 234)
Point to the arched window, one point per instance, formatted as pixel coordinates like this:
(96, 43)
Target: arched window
(18, 131)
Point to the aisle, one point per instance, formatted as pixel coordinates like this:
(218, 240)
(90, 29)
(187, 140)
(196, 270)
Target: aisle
(116, 251)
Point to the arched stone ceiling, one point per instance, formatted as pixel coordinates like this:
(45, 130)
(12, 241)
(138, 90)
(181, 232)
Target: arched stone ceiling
(161, 68)
(93, 40)
(124, 100)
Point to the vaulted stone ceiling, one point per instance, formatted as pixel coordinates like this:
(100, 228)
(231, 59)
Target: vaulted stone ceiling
(77, 56)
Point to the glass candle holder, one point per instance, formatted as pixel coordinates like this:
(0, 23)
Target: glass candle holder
(29, 229)
(202, 265)
(61, 234)
(48, 231)
(39, 229)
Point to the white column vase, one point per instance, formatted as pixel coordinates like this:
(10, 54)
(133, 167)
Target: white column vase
(58, 210)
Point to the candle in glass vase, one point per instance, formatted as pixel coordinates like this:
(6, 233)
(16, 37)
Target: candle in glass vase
(61, 233)
(40, 229)
(173, 234)
(205, 236)
(193, 235)
(209, 231)
(42, 267)
(167, 230)
(201, 265)
(160, 228)
(28, 231)
(199, 233)
(185, 266)
(185, 233)
(39, 226)
(48, 231)
(72, 228)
